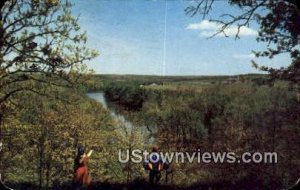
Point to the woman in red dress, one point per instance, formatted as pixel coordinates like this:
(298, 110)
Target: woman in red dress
(81, 177)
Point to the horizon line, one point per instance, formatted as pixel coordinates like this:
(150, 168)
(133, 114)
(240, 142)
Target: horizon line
(159, 75)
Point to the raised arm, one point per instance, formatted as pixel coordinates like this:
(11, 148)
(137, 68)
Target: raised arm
(90, 153)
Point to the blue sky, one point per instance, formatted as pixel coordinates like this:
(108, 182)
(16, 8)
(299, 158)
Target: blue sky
(155, 37)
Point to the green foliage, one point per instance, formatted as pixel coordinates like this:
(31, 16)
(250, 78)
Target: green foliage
(128, 95)
(236, 118)
(40, 42)
(44, 136)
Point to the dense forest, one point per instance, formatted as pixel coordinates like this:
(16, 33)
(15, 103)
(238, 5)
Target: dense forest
(42, 133)
(235, 117)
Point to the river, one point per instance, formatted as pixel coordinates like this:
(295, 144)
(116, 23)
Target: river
(121, 119)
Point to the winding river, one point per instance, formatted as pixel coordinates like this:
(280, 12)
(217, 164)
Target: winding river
(121, 119)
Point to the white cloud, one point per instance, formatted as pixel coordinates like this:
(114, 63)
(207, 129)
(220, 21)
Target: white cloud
(243, 56)
(208, 28)
(203, 25)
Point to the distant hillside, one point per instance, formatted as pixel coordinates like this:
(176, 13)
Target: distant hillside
(99, 79)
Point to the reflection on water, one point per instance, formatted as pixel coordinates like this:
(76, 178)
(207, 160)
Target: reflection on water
(99, 97)
(121, 119)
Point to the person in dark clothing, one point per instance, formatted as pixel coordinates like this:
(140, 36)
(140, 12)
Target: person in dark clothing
(154, 165)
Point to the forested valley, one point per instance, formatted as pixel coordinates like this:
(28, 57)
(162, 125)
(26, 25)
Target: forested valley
(52, 103)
